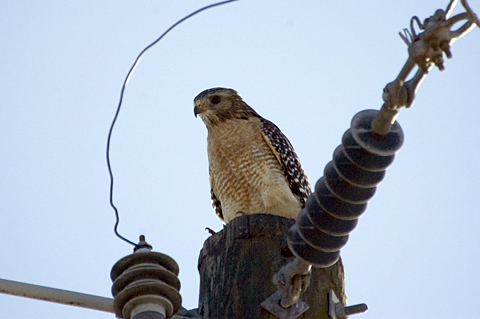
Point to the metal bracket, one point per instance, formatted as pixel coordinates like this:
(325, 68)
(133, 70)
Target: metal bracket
(272, 304)
(425, 49)
(338, 310)
(291, 280)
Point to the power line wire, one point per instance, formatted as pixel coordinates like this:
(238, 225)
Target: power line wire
(127, 78)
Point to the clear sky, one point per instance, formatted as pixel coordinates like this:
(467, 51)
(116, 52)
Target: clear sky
(308, 66)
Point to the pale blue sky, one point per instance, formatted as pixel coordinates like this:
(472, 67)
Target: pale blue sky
(308, 66)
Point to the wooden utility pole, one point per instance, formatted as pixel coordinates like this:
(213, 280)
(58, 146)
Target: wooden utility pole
(237, 265)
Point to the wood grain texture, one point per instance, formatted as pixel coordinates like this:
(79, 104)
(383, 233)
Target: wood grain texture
(237, 265)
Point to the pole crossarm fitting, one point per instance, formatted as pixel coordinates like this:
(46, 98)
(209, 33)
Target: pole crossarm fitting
(61, 296)
(425, 49)
(338, 310)
(291, 280)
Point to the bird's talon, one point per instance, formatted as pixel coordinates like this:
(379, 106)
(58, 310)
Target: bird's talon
(211, 231)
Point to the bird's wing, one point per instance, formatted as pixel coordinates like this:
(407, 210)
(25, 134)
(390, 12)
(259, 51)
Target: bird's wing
(288, 159)
(216, 204)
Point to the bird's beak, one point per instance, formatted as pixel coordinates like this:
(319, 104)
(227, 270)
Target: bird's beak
(198, 109)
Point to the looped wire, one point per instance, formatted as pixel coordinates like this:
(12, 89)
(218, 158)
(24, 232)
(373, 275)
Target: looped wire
(125, 82)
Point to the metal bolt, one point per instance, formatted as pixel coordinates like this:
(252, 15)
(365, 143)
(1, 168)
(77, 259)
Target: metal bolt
(338, 310)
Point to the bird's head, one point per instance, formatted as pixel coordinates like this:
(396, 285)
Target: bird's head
(219, 104)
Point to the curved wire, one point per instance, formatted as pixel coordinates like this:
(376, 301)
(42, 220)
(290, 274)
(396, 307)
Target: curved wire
(120, 104)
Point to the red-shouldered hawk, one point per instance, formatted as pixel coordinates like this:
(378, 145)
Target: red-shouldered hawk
(253, 167)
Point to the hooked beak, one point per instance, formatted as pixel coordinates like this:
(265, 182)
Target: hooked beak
(198, 109)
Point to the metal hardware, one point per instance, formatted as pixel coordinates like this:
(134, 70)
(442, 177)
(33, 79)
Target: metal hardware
(338, 310)
(272, 304)
(66, 297)
(425, 49)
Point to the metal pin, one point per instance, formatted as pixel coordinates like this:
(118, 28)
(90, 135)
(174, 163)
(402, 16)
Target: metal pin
(338, 310)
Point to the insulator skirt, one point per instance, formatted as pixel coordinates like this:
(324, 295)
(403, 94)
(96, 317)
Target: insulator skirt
(341, 195)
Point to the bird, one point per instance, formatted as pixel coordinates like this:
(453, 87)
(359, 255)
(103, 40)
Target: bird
(253, 167)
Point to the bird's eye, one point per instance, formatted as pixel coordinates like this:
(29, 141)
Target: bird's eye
(215, 99)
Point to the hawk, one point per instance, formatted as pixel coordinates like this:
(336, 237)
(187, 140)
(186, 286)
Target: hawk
(253, 167)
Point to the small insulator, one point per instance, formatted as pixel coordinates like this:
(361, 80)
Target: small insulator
(341, 196)
(145, 285)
